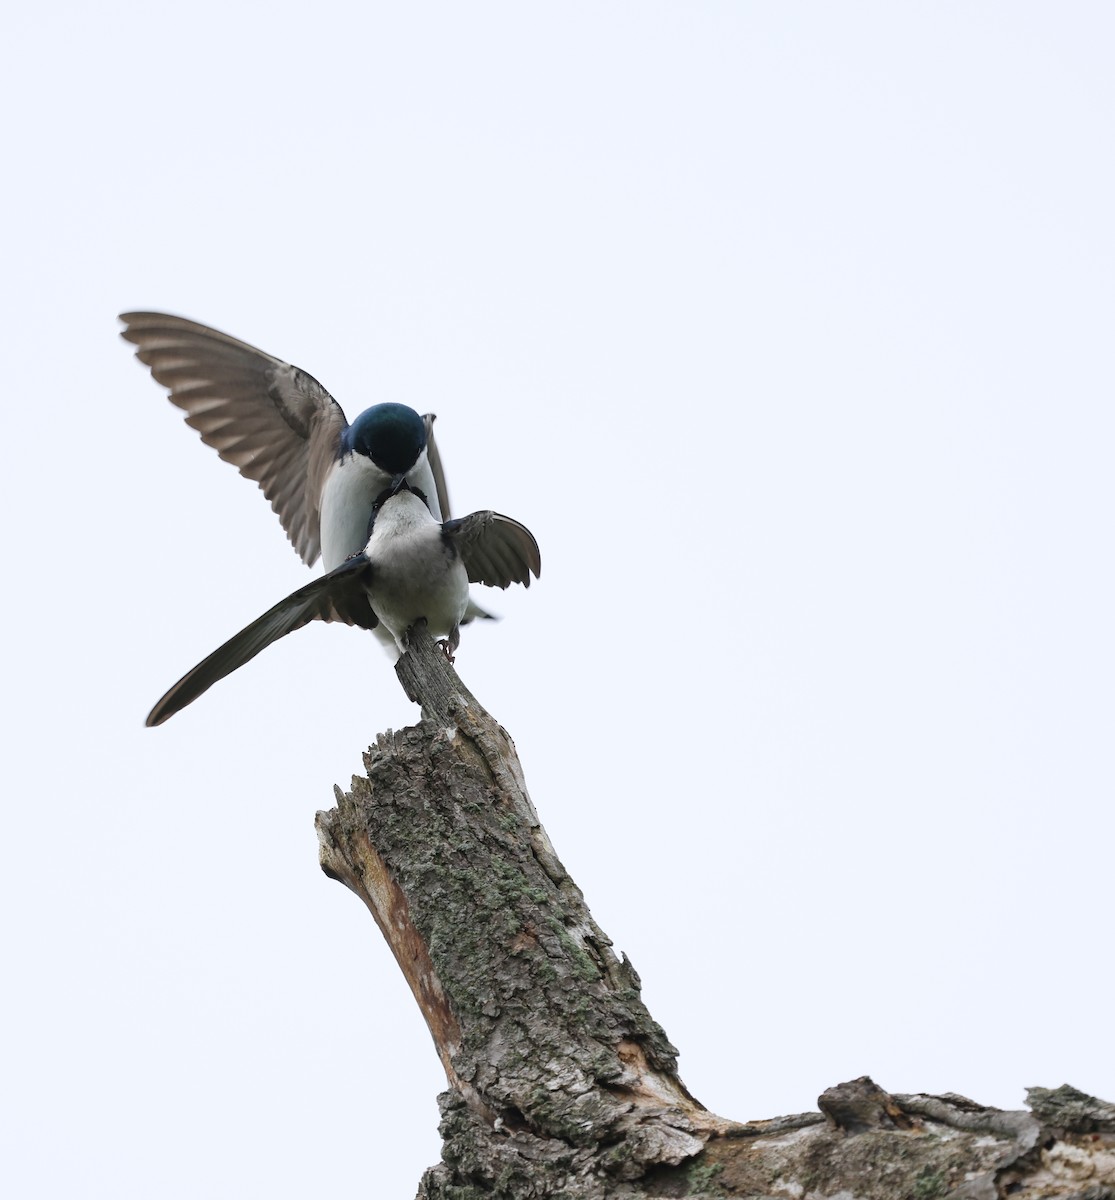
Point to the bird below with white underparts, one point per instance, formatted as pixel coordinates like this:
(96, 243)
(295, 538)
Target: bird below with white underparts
(278, 426)
(413, 568)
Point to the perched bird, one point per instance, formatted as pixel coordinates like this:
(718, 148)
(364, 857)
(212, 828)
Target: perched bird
(280, 427)
(413, 568)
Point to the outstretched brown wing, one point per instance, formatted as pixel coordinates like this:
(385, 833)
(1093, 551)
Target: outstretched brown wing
(272, 421)
(496, 550)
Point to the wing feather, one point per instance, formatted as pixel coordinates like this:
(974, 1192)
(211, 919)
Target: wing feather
(496, 550)
(275, 423)
(341, 595)
(436, 469)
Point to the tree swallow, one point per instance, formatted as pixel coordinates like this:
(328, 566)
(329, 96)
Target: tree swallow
(280, 427)
(413, 568)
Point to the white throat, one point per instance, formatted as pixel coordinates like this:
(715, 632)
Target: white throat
(350, 490)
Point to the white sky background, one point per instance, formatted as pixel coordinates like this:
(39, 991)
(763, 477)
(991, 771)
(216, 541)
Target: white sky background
(786, 328)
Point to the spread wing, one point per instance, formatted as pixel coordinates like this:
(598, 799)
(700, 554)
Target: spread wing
(496, 550)
(341, 595)
(272, 421)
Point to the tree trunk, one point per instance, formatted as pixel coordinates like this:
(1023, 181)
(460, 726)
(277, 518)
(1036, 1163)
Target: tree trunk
(560, 1081)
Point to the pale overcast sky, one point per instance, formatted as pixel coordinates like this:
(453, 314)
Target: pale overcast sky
(785, 327)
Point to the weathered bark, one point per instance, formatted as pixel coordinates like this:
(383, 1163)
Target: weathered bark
(560, 1081)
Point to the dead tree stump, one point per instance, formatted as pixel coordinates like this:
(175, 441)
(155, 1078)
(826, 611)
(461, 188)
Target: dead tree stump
(560, 1083)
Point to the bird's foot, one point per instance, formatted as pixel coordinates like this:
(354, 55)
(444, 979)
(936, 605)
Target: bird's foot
(449, 644)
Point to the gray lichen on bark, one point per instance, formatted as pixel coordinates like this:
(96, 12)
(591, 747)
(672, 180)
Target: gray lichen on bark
(540, 1026)
(560, 1081)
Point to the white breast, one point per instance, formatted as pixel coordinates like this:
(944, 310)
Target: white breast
(415, 573)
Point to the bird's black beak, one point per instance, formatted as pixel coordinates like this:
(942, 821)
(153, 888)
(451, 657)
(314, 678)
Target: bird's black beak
(398, 484)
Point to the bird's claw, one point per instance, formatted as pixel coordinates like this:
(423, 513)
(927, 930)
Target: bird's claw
(446, 648)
